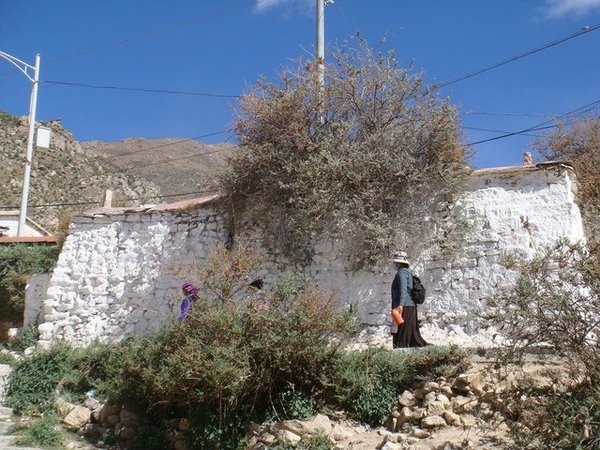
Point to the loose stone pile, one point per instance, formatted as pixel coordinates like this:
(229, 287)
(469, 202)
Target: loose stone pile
(444, 414)
(96, 420)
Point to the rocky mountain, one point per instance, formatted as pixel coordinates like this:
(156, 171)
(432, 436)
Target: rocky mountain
(176, 165)
(67, 175)
(70, 173)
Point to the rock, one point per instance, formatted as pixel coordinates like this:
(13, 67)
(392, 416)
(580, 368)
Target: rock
(108, 409)
(390, 446)
(390, 423)
(295, 426)
(419, 413)
(113, 419)
(129, 419)
(436, 407)
(268, 438)
(182, 445)
(451, 418)
(430, 397)
(431, 422)
(258, 446)
(185, 425)
(92, 404)
(318, 422)
(63, 407)
(463, 382)
(430, 386)
(406, 415)
(286, 437)
(462, 404)
(341, 433)
(407, 399)
(420, 434)
(127, 433)
(442, 398)
(419, 394)
(468, 421)
(446, 389)
(78, 417)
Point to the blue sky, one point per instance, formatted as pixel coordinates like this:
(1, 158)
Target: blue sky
(222, 47)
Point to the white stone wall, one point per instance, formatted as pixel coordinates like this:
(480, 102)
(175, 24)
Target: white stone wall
(117, 275)
(35, 291)
(114, 276)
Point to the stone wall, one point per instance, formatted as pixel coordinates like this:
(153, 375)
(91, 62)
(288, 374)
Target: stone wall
(115, 275)
(118, 271)
(35, 292)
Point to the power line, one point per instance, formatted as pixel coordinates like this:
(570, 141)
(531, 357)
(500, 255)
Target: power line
(134, 89)
(510, 114)
(164, 161)
(519, 56)
(127, 40)
(47, 205)
(166, 145)
(541, 126)
(495, 131)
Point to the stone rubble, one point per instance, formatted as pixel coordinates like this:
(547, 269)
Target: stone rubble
(437, 415)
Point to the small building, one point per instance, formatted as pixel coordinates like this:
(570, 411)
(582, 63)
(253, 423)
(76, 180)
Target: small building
(9, 225)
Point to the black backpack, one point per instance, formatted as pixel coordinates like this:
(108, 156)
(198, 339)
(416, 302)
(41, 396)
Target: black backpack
(418, 291)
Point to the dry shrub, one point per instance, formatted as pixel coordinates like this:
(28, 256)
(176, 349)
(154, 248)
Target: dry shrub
(369, 157)
(554, 309)
(230, 361)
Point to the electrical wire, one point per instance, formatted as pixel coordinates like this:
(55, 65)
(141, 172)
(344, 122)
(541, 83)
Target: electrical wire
(134, 89)
(509, 114)
(164, 161)
(48, 205)
(541, 126)
(121, 155)
(519, 56)
(495, 131)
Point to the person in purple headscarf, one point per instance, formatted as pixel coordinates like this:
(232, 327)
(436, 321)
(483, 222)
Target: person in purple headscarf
(191, 295)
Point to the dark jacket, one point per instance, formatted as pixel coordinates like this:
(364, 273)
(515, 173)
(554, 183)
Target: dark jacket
(402, 287)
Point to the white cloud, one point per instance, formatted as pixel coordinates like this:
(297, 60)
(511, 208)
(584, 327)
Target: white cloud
(560, 8)
(302, 5)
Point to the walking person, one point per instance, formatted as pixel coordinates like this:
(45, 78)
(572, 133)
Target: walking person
(408, 334)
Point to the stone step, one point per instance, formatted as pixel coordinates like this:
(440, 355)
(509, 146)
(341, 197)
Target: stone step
(5, 427)
(5, 413)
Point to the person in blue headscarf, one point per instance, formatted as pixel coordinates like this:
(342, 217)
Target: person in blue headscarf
(191, 295)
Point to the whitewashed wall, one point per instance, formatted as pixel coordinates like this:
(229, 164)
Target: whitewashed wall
(114, 276)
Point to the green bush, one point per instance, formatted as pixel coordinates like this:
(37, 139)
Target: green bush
(318, 441)
(26, 337)
(368, 382)
(7, 358)
(17, 263)
(43, 432)
(290, 404)
(37, 380)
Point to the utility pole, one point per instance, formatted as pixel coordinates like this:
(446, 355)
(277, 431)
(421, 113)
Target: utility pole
(321, 42)
(25, 69)
(29, 156)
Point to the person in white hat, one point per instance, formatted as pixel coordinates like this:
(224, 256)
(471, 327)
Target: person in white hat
(407, 334)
